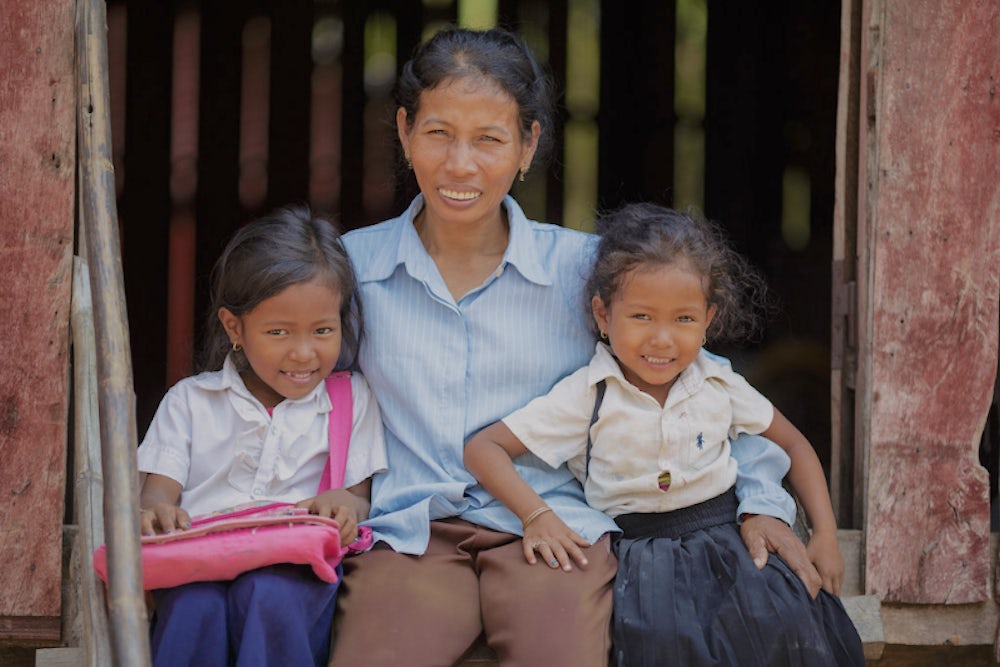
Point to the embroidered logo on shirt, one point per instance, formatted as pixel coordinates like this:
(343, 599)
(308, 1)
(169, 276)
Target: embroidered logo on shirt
(664, 480)
(701, 441)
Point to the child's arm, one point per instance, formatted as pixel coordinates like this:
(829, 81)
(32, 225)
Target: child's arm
(489, 456)
(348, 507)
(159, 503)
(809, 482)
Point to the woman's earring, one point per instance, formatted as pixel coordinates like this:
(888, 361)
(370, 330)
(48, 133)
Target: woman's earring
(524, 170)
(237, 347)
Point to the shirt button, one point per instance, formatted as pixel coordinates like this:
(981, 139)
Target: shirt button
(258, 492)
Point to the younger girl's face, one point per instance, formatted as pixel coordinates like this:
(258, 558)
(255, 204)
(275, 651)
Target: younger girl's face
(291, 340)
(656, 323)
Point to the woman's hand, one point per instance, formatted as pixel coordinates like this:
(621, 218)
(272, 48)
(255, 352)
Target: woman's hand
(339, 505)
(824, 552)
(763, 534)
(163, 517)
(554, 541)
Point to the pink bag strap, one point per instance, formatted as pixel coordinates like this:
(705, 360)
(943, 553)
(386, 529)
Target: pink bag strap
(338, 386)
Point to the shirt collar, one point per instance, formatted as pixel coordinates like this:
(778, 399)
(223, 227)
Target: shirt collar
(229, 379)
(402, 246)
(603, 366)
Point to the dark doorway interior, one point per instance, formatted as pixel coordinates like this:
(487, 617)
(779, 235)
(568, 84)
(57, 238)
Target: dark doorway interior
(223, 109)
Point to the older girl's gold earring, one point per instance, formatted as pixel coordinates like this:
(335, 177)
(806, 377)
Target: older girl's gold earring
(237, 347)
(604, 334)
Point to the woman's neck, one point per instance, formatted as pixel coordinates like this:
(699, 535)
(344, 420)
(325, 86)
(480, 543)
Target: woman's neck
(464, 254)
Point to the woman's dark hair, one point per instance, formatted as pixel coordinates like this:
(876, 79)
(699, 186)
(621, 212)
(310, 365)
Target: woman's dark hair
(495, 54)
(281, 249)
(644, 235)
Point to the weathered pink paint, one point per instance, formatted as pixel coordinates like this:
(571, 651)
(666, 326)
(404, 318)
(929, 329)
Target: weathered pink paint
(934, 244)
(37, 155)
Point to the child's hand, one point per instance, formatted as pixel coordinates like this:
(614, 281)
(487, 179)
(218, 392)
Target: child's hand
(163, 518)
(825, 555)
(555, 542)
(337, 504)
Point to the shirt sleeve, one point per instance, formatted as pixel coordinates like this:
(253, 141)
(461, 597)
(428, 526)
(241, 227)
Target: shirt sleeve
(752, 412)
(166, 449)
(366, 455)
(554, 426)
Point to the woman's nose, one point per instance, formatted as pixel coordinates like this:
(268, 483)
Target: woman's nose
(460, 158)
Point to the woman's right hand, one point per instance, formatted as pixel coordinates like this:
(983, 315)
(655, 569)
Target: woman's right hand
(555, 542)
(163, 518)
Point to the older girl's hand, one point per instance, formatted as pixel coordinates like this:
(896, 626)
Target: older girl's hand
(555, 542)
(339, 505)
(163, 518)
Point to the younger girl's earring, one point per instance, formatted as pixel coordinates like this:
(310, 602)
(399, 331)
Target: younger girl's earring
(524, 171)
(604, 334)
(237, 347)
(704, 339)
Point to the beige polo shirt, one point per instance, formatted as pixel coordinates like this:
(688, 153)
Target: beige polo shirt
(636, 441)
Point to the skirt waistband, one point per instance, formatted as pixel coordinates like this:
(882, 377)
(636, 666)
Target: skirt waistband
(712, 512)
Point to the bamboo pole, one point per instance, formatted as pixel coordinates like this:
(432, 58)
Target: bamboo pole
(88, 487)
(116, 402)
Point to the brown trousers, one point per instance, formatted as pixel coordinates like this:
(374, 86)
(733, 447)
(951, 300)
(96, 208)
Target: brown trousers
(423, 611)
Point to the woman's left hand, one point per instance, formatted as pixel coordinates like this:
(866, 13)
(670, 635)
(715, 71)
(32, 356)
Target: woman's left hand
(337, 504)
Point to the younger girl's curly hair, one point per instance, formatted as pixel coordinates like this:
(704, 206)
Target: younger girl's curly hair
(281, 249)
(646, 235)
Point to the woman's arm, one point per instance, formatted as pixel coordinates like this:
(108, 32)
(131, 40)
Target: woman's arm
(159, 506)
(809, 482)
(489, 456)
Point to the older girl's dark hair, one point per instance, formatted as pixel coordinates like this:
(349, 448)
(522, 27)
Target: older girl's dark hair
(281, 249)
(648, 235)
(495, 54)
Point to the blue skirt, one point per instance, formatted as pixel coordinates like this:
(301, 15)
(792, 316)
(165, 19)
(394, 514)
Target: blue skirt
(688, 593)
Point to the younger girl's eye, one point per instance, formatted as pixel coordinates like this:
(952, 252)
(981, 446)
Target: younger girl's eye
(275, 332)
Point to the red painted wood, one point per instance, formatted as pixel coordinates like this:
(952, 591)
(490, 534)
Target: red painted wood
(934, 239)
(37, 155)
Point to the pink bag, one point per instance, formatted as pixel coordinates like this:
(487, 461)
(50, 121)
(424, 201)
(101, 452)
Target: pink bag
(222, 545)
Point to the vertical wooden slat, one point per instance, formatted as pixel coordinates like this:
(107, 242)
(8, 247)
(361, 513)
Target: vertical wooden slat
(145, 204)
(352, 117)
(636, 156)
(36, 241)
(291, 76)
(126, 608)
(217, 202)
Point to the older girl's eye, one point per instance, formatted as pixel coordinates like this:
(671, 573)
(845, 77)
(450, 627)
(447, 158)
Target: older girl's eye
(275, 332)
(322, 331)
(640, 316)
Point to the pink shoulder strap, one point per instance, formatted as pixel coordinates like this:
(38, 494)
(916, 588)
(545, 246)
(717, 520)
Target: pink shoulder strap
(338, 386)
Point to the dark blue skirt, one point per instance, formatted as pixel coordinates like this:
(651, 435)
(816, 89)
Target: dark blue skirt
(688, 593)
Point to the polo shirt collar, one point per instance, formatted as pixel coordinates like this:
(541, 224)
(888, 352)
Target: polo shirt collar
(402, 246)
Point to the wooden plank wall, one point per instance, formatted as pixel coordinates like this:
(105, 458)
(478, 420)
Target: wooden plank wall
(37, 156)
(931, 223)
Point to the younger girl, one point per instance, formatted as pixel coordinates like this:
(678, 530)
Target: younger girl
(654, 453)
(254, 427)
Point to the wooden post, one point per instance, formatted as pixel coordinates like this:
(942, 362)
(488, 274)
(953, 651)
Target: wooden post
(126, 603)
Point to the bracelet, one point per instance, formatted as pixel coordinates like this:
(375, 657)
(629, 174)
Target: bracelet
(535, 514)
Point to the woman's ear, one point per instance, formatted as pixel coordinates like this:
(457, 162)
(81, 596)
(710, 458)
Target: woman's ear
(232, 325)
(600, 313)
(530, 146)
(403, 130)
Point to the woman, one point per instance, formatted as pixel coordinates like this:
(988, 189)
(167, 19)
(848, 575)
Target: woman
(472, 311)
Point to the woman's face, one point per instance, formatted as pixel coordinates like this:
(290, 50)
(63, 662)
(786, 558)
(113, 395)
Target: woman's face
(466, 148)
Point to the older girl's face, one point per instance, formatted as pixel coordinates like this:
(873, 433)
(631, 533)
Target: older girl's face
(466, 147)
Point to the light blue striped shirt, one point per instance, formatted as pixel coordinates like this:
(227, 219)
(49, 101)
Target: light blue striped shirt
(442, 370)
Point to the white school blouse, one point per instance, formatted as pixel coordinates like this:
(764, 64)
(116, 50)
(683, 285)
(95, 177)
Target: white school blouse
(213, 437)
(636, 441)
